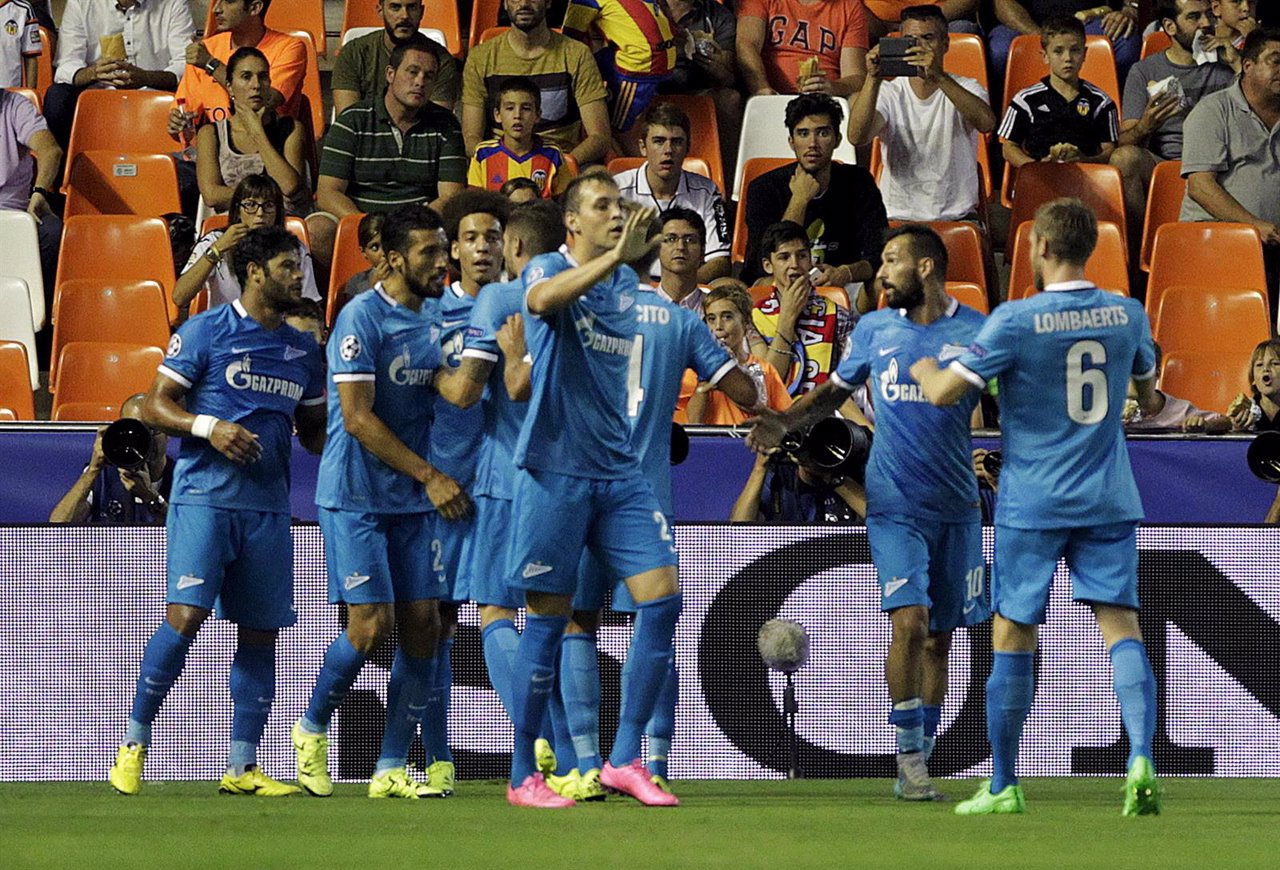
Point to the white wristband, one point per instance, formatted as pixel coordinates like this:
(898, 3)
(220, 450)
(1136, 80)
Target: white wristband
(203, 426)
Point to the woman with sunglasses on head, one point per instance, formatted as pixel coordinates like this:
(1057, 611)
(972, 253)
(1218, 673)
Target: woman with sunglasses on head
(256, 202)
(251, 139)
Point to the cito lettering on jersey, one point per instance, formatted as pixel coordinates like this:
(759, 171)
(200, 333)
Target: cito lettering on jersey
(239, 375)
(1084, 318)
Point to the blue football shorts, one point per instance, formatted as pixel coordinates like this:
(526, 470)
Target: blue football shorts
(930, 564)
(235, 562)
(1103, 561)
(486, 555)
(556, 517)
(446, 554)
(378, 558)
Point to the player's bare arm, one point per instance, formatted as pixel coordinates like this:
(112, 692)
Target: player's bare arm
(356, 399)
(463, 386)
(940, 386)
(517, 369)
(769, 427)
(164, 409)
(570, 285)
(311, 420)
(738, 386)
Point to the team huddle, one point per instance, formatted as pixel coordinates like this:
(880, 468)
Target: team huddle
(507, 442)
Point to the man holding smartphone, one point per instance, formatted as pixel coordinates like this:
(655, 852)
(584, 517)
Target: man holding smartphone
(928, 122)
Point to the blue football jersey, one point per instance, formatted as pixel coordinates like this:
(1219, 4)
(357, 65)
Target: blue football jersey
(921, 458)
(378, 340)
(1063, 359)
(458, 430)
(578, 422)
(668, 340)
(238, 371)
(503, 416)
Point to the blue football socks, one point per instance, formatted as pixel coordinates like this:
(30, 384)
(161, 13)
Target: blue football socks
(435, 720)
(932, 719)
(1010, 689)
(907, 719)
(662, 722)
(406, 702)
(580, 690)
(533, 679)
(162, 662)
(253, 690)
(560, 736)
(644, 673)
(1135, 687)
(342, 664)
(500, 640)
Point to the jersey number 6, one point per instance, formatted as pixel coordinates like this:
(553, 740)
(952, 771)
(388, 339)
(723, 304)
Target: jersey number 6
(1079, 377)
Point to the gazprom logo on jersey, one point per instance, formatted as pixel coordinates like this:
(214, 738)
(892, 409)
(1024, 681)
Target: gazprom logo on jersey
(240, 376)
(892, 391)
(401, 371)
(601, 341)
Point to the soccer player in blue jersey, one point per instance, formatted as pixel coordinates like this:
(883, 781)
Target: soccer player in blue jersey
(923, 521)
(493, 369)
(233, 383)
(669, 339)
(1063, 359)
(378, 496)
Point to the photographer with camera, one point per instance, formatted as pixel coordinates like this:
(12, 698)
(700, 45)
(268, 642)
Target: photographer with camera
(816, 477)
(124, 483)
(923, 522)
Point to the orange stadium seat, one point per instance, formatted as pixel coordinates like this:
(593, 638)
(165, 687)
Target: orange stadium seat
(311, 89)
(7, 415)
(1209, 381)
(704, 138)
(104, 372)
(92, 247)
(967, 56)
(287, 15)
(15, 381)
(86, 412)
(484, 14)
(1195, 319)
(1097, 184)
(754, 168)
(347, 261)
(443, 16)
(1155, 42)
(969, 293)
(132, 312)
(1213, 255)
(44, 63)
(838, 295)
(1107, 267)
(1164, 205)
(121, 121)
(965, 258)
(492, 32)
(691, 164)
(111, 182)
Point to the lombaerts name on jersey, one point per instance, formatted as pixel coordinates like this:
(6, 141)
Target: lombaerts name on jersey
(239, 376)
(1084, 318)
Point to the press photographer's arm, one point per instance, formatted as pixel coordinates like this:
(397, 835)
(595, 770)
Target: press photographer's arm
(769, 427)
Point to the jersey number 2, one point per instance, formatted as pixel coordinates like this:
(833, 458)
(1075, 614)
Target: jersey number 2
(1079, 377)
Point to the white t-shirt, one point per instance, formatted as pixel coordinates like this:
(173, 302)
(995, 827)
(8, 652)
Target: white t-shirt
(696, 192)
(930, 153)
(222, 283)
(21, 40)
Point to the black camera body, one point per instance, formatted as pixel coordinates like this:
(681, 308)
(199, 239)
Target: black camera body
(127, 444)
(836, 446)
(893, 54)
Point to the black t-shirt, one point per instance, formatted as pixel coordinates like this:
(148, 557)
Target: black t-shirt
(1039, 118)
(852, 215)
(111, 504)
(1039, 10)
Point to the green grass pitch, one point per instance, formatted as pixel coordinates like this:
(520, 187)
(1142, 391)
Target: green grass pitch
(810, 823)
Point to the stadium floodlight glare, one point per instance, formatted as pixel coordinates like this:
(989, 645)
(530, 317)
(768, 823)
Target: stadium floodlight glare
(784, 646)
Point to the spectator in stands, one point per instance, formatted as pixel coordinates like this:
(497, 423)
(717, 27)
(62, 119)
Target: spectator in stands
(518, 152)
(369, 234)
(780, 491)
(640, 53)
(728, 314)
(307, 316)
(838, 204)
(1119, 24)
(360, 72)
(252, 139)
(575, 116)
(202, 94)
(681, 247)
(396, 149)
(1062, 118)
(803, 362)
(106, 495)
(706, 34)
(24, 135)
(520, 190)
(1229, 157)
(256, 202)
(1260, 412)
(928, 127)
(661, 182)
(1236, 19)
(884, 16)
(779, 39)
(125, 44)
(1175, 414)
(1152, 127)
(19, 45)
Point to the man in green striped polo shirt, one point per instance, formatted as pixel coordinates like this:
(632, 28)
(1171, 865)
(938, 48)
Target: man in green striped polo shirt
(395, 149)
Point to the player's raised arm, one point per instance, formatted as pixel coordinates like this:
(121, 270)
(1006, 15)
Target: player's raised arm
(769, 427)
(940, 386)
(164, 409)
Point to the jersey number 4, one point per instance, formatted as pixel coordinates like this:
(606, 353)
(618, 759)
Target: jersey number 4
(635, 386)
(1086, 408)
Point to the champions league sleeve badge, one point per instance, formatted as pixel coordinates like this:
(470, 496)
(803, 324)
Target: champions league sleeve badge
(349, 349)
